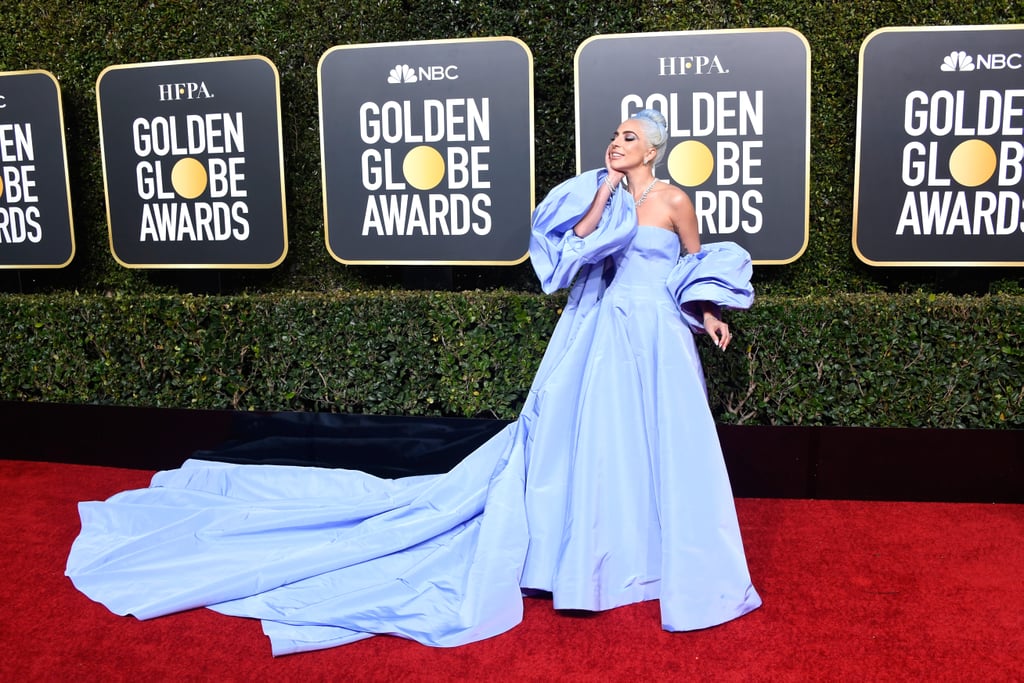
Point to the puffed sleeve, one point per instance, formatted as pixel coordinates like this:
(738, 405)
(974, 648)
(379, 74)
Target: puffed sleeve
(719, 274)
(555, 251)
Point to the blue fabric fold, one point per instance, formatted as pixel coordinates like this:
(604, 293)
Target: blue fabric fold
(556, 253)
(718, 274)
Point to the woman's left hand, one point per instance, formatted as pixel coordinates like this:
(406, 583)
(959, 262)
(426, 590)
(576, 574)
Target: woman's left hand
(718, 331)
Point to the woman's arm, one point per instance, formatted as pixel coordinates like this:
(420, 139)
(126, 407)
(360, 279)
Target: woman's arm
(684, 220)
(592, 218)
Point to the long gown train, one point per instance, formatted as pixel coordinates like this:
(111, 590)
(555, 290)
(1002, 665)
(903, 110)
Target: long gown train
(608, 489)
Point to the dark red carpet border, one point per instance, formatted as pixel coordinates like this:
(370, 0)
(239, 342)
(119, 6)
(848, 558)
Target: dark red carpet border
(853, 591)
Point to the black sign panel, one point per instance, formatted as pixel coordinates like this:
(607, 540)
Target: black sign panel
(35, 202)
(940, 147)
(737, 104)
(428, 151)
(192, 163)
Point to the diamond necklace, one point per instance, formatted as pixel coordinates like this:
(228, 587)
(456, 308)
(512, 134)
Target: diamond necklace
(643, 197)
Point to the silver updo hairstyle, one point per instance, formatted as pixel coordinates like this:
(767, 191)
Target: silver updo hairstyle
(655, 130)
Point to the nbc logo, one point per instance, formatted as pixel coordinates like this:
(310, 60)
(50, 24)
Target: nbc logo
(957, 61)
(402, 73)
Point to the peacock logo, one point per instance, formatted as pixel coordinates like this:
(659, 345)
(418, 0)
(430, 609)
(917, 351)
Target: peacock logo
(958, 60)
(402, 73)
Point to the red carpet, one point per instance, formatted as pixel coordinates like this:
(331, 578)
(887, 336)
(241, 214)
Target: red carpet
(853, 592)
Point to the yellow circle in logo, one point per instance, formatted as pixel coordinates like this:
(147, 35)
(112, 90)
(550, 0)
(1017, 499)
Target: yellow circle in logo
(972, 163)
(188, 178)
(423, 167)
(690, 163)
(1, 187)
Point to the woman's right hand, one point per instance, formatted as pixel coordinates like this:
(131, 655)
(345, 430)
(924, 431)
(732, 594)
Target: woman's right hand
(614, 177)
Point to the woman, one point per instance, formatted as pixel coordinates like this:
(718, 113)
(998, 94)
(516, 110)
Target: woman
(609, 488)
(636, 147)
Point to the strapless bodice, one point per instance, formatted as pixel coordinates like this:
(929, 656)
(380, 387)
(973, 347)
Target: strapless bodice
(649, 257)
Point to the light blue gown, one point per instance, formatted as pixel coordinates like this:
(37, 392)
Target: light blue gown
(608, 489)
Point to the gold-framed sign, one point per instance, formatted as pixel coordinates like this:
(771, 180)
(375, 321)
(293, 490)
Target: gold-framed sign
(737, 107)
(36, 226)
(427, 151)
(193, 167)
(939, 176)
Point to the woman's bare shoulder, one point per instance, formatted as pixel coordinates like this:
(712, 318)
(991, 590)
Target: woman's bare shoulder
(674, 195)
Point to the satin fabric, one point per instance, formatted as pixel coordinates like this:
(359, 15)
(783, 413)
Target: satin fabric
(608, 489)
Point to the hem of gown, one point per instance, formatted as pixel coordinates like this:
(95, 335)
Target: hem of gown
(573, 601)
(750, 602)
(281, 644)
(714, 617)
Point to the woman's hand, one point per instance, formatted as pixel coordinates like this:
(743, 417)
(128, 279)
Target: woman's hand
(614, 177)
(717, 329)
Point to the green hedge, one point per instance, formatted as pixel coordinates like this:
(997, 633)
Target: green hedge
(857, 360)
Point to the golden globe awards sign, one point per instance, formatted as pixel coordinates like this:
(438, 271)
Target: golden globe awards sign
(192, 163)
(35, 205)
(940, 147)
(737, 105)
(427, 151)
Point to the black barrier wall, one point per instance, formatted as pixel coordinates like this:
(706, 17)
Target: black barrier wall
(764, 462)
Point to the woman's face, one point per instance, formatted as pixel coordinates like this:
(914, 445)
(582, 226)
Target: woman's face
(628, 146)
